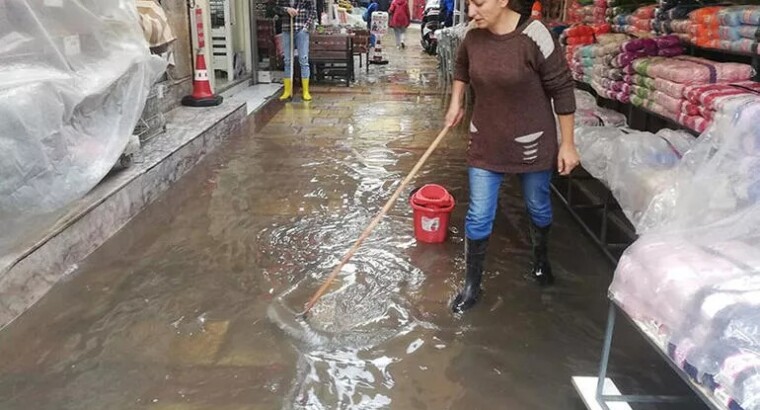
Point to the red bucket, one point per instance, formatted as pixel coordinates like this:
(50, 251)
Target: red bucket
(432, 206)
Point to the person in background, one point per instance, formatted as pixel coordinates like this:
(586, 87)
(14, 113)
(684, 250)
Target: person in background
(447, 12)
(383, 5)
(400, 20)
(373, 7)
(304, 15)
(520, 80)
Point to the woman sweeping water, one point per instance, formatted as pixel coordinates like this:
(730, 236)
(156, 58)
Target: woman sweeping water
(517, 72)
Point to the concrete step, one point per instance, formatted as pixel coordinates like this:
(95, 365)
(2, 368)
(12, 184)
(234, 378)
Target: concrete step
(191, 133)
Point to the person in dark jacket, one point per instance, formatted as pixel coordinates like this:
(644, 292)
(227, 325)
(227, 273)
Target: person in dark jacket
(520, 80)
(383, 5)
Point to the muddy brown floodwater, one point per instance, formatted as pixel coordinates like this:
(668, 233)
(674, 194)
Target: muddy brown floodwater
(171, 313)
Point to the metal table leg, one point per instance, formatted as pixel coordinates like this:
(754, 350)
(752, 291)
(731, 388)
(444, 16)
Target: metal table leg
(603, 399)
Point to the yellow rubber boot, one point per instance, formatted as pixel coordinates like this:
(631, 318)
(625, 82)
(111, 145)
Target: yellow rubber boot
(287, 93)
(305, 84)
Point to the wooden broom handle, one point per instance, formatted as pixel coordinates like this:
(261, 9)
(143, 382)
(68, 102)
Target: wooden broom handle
(368, 230)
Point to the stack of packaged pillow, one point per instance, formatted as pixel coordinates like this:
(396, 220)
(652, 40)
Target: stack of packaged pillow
(642, 20)
(739, 29)
(588, 114)
(705, 27)
(600, 11)
(659, 84)
(672, 16)
(706, 100)
(620, 14)
(582, 64)
(581, 11)
(635, 49)
(623, 23)
(577, 35)
(606, 79)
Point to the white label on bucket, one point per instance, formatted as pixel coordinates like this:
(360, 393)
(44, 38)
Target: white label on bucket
(431, 224)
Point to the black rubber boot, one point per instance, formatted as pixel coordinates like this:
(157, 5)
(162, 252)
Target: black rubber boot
(475, 255)
(541, 271)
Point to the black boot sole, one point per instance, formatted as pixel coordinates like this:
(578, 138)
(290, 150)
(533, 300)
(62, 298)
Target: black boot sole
(542, 281)
(460, 304)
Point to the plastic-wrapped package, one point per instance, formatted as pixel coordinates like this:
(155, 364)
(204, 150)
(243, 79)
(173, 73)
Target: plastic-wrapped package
(667, 102)
(667, 41)
(75, 80)
(729, 33)
(686, 69)
(670, 88)
(744, 45)
(584, 99)
(646, 12)
(693, 274)
(696, 122)
(634, 165)
(638, 44)
(707, 16)
(727, 158)
(697, 288)
(642, 92)
(679, 141)
(738, 15)
(689, 108)
(596, 147)
(710, 95)
(643, 81)
(612, 39)
(670, 51)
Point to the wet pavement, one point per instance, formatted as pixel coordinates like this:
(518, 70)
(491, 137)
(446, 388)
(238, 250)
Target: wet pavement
(172, 312)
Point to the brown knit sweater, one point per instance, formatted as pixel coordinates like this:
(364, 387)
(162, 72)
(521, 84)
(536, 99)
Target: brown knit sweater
(514, 78)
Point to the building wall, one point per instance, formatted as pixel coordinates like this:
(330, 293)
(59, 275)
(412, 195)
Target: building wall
(167, 93)
(179, 18)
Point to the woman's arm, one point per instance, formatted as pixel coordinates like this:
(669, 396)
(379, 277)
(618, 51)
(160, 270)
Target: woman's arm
(558, 84)
(456, 110)
(568, 157)
(461, 79)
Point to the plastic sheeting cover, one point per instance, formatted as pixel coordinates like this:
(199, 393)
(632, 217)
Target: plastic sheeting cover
(76, 75)
(719, 176)
(636, 166)
(693, 279)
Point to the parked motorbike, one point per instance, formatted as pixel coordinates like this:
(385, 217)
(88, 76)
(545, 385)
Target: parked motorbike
(431, 21)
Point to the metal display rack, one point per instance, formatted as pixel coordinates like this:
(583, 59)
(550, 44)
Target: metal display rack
(603, 399)
(595, 209)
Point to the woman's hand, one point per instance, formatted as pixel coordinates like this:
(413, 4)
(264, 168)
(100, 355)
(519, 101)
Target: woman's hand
(291, 11)
(454, 115)
(567, 159)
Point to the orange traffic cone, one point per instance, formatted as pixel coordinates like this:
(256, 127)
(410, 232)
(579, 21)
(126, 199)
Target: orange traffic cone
(202, 95)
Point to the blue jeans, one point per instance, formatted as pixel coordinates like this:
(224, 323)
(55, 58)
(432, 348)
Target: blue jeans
(302, 45)
(484, 196)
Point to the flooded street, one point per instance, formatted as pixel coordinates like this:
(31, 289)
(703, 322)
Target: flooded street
(171, 314)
